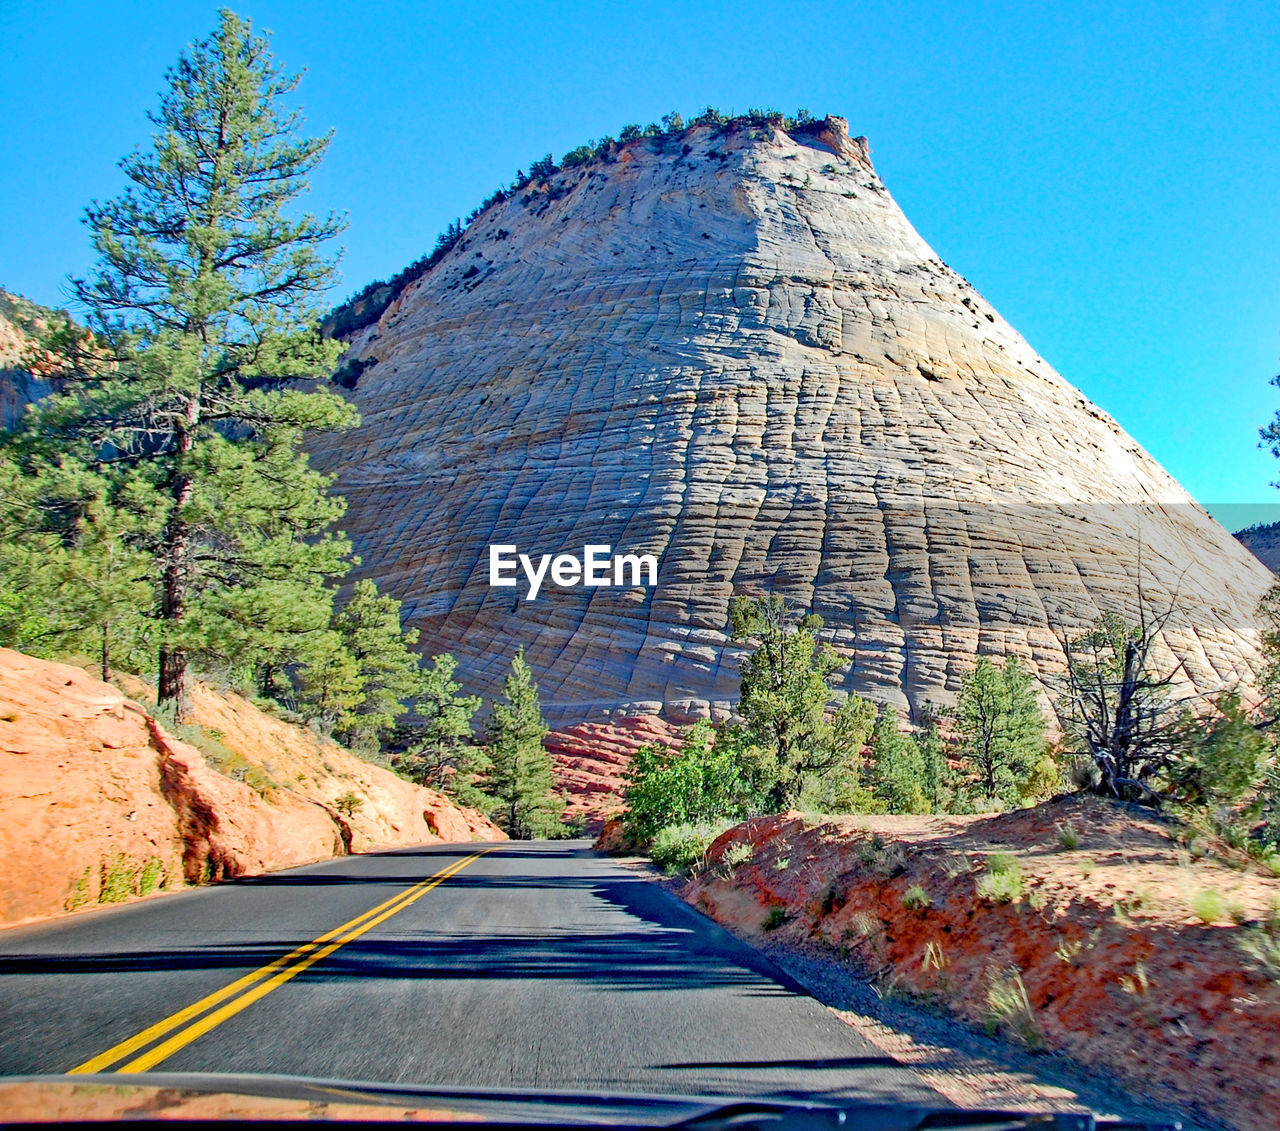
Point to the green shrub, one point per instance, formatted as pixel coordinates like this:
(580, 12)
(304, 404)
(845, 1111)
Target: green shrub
(1208, 906)
(1220, 758)
(1001, 730)
(151, 876)
(116, 879)
(78, 896)
(1003, 862)
(217, 753)
(699, 784)
(776, 917)
(915, 898)
(736, 855)
(897, 771)
(543, 168)
(1009, 1009)
(787, 683)
(884, 859)
(1068, 950)
(1001, 887)
(1083, 773)
(120, 878)
(677, 848)
(1002, 881)
(349, 803)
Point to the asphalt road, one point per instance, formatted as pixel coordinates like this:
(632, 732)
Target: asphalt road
(535, 965)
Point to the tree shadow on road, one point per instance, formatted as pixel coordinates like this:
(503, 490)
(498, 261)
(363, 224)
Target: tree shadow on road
(645, 940)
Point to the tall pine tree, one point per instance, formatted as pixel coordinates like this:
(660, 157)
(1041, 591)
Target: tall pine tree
(785, 695)
(442, 751)
(521, 778)
(204, 311)
(1001, 729)
(933, 753)
(897, 774)
(71, 580)
(386, 673)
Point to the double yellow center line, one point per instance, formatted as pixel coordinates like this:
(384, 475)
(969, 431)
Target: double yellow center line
(201, 1016)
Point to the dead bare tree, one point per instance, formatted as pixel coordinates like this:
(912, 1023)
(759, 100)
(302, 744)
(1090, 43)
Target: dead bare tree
(1123, 711)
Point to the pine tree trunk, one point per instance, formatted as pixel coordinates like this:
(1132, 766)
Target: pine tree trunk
(778, 798)
(173, 691)
(513, 813)
(267, 680)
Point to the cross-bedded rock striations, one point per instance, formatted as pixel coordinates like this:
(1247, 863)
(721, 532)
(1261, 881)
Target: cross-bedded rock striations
(731, 350)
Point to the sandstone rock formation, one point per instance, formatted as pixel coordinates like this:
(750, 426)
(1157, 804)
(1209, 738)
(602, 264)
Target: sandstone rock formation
(590, 762)
(19, 322)
(100, 802)
(730, 349)
(285, 758)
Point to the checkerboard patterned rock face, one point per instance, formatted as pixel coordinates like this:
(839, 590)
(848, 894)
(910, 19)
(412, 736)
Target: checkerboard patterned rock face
(732, 350)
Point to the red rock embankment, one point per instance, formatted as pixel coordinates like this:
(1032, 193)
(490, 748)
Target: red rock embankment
(388, 812)
(1116, 945)
(99, 803)
(590, 762)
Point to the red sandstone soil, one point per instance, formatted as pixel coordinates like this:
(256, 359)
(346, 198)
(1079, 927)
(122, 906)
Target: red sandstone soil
(590, 762)
(99, 803)
(1118, 970)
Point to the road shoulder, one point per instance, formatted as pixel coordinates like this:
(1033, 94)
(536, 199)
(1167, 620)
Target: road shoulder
(963, 1064)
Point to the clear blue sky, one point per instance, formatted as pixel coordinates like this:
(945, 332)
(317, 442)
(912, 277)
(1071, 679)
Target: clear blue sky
(1107, 175)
